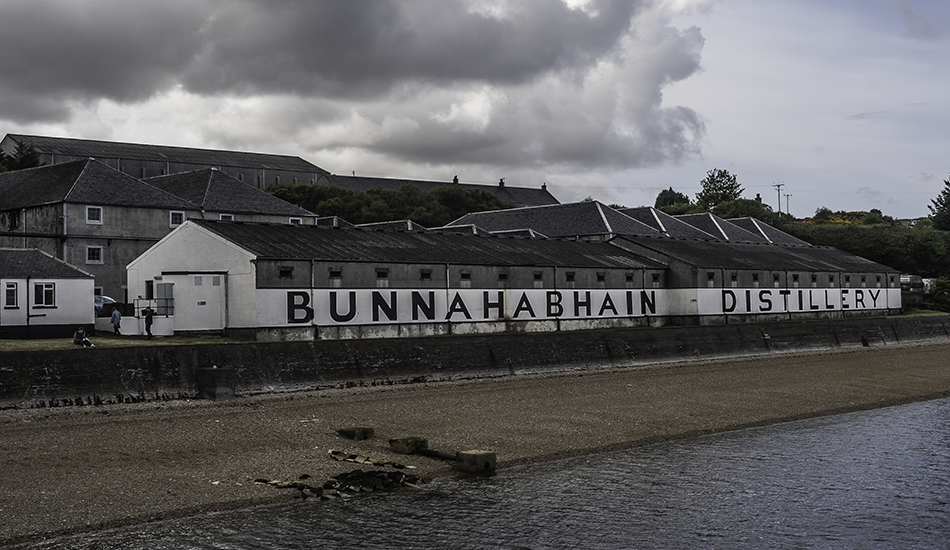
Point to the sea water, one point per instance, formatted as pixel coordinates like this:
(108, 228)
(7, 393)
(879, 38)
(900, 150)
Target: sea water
(873, 479)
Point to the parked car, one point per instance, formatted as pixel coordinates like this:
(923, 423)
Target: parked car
(104, 305)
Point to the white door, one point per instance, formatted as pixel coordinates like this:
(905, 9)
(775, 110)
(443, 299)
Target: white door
(207, 302)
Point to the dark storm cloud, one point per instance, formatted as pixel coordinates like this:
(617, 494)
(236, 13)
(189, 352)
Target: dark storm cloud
(363, 48)
(53, 53)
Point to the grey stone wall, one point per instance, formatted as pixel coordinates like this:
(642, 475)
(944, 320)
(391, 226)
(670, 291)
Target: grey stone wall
(90, 376)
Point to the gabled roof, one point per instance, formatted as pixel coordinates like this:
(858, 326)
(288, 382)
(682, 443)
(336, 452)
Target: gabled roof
(215, 191)
(84, 182)
(774, 236)
(23, 263)
(720, 228)
(162, 153)
(398, 225)
(519, 196)
(765, 257)
(664, 223)
(307, 242)
(466, 229)
(579, 219)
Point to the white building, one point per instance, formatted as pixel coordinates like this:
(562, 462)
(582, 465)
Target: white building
(43, 297)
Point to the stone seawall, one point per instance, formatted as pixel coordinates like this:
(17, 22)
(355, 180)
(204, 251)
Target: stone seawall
(91, 376)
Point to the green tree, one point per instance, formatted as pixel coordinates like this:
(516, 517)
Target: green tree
(822, 215)
(24, 156)
(668, 197)
(718, 186)
(745, 208)
(940, 208)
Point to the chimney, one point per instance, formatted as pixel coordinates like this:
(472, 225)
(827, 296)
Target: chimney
(544, 186)
(501, 183)
(455, 179)
(758, 198)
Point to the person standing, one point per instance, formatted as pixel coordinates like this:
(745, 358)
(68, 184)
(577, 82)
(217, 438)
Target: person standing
(116, 320)
(149, 313)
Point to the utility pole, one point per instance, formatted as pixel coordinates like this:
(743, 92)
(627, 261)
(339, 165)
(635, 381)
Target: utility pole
(787, 211)
(778, 187)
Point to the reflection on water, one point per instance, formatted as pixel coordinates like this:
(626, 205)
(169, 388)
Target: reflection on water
(875, 479)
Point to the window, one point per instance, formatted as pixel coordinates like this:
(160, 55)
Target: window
(226, 217)
(198, 280)
(878, 280)
(149, 290)
(775, 280)
(93, 254)
(44, 294)
(795, 280)
(216, 280)
(601, 276)
(425, 274)
(502, 276)
(10, 296)
(176, 218)
(336, 274)
(296, 221)
(755, 280)
(382, 277)
(864, 281)
(814, 280)
(831, 281)
(94, 215)
(710, 279)
(656, 280)
(847, 281)
(734, 280)
(285, 272)
(466, 279)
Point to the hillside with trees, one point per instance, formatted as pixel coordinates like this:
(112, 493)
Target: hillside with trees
(433, 208)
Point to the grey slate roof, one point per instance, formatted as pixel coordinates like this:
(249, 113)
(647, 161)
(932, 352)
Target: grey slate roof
(22, 263)
(519, 196)
(397, 225)
(163, 153)
(774, 236)
(766, 257)
(663, 222)
(579, 219)
(720, 228)
(215, 191)
(82, 182)
(304, 242)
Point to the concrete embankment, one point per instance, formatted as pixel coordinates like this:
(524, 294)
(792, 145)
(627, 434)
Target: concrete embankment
(74, 469)
(134, 374)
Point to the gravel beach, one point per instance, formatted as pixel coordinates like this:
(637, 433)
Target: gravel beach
(77, 469)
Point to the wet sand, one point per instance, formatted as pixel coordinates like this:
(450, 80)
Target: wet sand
(77, 469)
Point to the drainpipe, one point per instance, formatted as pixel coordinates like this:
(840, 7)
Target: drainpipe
(447, 289)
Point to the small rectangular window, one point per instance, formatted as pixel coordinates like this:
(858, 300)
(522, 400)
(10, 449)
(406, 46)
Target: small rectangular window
(425, 275)
(216, 280)
(656, 280)
(226, 217)
(336, 274)
(601, 277)
(176, 218)
(710, 279)
(285, 272)
(569, 276)
(198, 281)
(296, 221)
(149, 290)
(94, 215)
(382, 273)
(814, 279)
(93, 254)
(44, 294)
(502, 276)
(10, 296)
(734, 280)
(466, 275)
(831, 281)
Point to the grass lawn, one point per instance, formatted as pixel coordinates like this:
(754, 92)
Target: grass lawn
(108, 340)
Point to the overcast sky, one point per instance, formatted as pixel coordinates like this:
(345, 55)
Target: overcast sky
(845, 102)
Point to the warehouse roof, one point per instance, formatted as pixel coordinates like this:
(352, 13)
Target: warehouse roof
(720, 228)
(579, 219)
(519, 196)
(85, 148)
(275, 241)
(665, 223)
(766, 257)
(774, 236)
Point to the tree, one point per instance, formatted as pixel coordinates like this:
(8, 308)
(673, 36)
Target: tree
(718, 186)
(24, 156)
(745, 208)
(940, 208)
(668, 197)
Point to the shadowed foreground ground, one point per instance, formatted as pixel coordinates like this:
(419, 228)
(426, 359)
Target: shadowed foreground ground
(78, 469)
